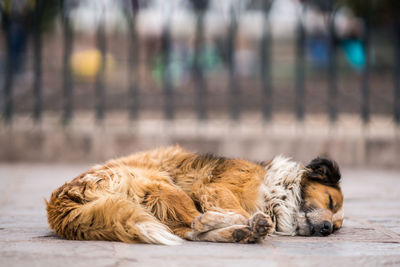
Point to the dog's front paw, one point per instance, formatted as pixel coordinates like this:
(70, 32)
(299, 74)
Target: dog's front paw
(261, 225)
(243, 235)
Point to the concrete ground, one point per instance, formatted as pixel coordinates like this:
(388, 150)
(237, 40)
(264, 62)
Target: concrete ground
(370, 235)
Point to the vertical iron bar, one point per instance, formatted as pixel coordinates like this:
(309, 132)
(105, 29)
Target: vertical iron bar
(167, 81)
(233, 80)
(198, 75)
(133, 55)
(365, 112)
(9, 79)
(397, 72)
(99, 86)
(300, 65)
(67, 75)
(37, 62)
(332, 69)
(266, 64)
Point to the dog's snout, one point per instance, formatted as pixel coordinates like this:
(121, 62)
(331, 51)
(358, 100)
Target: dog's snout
(326, 228)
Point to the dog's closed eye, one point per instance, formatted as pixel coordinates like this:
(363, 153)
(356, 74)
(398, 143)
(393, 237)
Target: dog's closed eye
(330, 203)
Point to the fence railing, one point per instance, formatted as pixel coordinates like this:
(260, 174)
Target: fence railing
(234, 96)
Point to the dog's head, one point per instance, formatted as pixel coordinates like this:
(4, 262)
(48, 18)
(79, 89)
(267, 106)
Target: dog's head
(321, 210)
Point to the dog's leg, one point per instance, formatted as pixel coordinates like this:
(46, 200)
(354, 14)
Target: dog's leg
(233, 234)
(169, 204)
(230, 234)
(218, 197)
(173, 207)
(151, 189)
(223, 210)
(211, 220)
(185, 233)
(109, 217)
(226, 227)
(231, 227)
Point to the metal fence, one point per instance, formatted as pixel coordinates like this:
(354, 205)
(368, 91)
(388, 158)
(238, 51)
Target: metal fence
(265, 96)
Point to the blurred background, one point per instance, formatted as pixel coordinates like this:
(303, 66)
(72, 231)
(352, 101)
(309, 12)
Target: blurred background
(88, 80)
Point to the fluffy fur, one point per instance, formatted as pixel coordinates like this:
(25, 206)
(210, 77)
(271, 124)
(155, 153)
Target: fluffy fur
(280, 193)
(168, 194)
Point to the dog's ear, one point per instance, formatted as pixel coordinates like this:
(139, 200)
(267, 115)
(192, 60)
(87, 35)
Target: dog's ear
(324, 170)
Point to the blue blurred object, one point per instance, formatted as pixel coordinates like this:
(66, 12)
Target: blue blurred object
(355, 53)
(319, 50)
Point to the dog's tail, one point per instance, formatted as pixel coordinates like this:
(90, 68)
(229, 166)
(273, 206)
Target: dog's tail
(108, 217)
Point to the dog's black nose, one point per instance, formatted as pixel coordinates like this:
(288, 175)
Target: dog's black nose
(326, 228)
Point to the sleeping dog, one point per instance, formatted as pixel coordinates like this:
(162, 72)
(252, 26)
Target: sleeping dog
(168, 194)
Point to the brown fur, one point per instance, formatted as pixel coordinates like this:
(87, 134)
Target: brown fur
(325, 202)
(140, 198)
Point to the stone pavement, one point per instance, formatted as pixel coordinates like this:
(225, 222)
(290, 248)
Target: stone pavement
(370, 235)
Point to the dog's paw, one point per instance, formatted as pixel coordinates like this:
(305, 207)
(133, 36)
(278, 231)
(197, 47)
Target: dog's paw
(261, 225)
(244, 235)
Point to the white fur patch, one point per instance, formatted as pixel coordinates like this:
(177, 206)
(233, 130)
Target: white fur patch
(156, 233)
(280, 193)
(338, 216)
